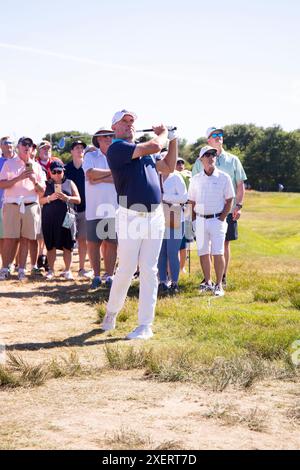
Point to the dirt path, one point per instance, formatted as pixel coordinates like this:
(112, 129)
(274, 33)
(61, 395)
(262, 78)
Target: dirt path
(109, 409)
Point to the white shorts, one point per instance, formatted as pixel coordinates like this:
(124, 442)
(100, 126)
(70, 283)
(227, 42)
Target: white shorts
(210, 236)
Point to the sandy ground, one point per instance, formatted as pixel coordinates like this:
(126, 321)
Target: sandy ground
(119, 410)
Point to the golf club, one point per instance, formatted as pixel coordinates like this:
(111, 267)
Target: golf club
(62, 142)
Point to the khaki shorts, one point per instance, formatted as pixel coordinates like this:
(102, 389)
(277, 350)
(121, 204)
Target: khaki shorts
(17, 225)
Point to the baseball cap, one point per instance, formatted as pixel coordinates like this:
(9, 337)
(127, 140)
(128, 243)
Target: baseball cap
(180, 160)
(120, 114)
(205, 149)
(56, 165)
(211, 130)
(77, 142)
(102, 129)
(44, 143)
(25, 140)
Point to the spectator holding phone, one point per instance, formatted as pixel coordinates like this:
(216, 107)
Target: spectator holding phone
(59, 194)
(23, 181)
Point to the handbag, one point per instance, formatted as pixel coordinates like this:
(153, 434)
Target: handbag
(69, 221)
(172, 214)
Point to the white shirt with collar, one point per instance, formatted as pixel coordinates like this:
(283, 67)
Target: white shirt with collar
(101, 198)
(210, 192)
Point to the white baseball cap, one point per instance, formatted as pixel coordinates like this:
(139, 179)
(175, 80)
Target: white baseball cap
(120, 114)
(206, 149)
(211, 130)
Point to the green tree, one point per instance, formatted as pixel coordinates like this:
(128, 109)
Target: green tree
(273, 158)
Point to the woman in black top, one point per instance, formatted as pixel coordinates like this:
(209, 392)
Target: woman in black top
(59, 193)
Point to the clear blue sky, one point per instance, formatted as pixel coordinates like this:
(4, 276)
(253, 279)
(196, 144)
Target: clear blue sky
(66, 65)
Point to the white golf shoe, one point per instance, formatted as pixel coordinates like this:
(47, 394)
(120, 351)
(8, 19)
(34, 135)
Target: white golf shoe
(141, 332)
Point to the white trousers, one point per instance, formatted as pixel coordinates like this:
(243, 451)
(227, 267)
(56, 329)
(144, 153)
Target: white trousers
(139, 243)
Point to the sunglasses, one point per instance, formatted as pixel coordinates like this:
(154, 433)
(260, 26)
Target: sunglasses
(7, 142)
(217, 134)
(180, 162)
(57, 172)
(210, 154)
(27, 144)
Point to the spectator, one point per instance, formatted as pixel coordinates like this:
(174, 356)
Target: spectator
(174, 197)
(231, 165)
(23, 181)
(100, 195)
(75, 173)
(59, 194)
(7, 152)
(186, 175)
(211, 194)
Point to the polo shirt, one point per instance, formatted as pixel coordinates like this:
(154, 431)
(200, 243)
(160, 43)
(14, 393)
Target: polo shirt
(137, 181)
(24, 188)
(77, 175)
(101, 198)
(210, 192)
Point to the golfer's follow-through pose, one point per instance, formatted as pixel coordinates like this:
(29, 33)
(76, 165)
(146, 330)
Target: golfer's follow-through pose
(139, 220)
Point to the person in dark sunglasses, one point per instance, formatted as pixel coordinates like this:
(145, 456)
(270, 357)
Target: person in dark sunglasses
(231, 165)
(60, 193)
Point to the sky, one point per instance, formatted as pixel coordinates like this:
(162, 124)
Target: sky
(66, 65)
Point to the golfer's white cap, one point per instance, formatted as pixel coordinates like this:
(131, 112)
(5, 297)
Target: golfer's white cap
(211, 130)
(120, 114)
(206, 149)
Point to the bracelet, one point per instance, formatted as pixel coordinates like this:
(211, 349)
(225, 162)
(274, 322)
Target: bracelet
(239, 205)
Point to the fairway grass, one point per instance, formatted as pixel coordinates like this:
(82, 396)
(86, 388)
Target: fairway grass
(257, 320)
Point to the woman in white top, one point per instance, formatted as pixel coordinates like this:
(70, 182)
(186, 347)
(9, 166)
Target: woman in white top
(174, 196)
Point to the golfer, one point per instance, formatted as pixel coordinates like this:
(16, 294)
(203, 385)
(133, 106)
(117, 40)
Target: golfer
(140, 219)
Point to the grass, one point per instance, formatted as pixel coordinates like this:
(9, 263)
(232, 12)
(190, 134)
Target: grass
(243, 337)
(19, 373)
(227, 415)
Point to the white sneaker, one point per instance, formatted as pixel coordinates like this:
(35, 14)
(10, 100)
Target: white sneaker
(109, 321)
(219, 292)
(68, 276)
(50, 275)
(141, 332)
(85, 274)
(4, 273)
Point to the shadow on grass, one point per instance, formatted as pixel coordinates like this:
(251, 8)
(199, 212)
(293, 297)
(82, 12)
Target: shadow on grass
(79, 340)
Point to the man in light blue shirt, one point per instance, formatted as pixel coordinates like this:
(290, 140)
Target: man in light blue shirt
(231, 165)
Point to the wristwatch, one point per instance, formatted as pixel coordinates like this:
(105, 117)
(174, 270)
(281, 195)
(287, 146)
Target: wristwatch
(239, 205)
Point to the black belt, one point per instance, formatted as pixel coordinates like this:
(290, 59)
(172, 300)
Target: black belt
(25, 203)
(210, 216)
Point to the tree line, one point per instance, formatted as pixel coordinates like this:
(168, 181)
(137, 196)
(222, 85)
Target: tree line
(270, 156)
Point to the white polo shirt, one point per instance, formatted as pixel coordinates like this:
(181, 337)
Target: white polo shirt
(210, 192)
(100, 196)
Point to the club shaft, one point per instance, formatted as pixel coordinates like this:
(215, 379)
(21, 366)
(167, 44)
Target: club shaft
(112, 133)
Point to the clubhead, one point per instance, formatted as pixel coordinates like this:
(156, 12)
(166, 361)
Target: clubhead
(62, 143)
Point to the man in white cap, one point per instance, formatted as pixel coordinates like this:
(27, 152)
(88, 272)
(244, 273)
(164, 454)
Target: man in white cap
(140, 218)
(211, 194)
(101, 203)
(231, 165)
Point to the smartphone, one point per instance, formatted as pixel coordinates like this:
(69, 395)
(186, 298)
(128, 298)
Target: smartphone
(57, 187)
(28, 166)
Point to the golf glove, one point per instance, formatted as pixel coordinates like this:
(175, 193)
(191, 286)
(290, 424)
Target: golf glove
(172, 134)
